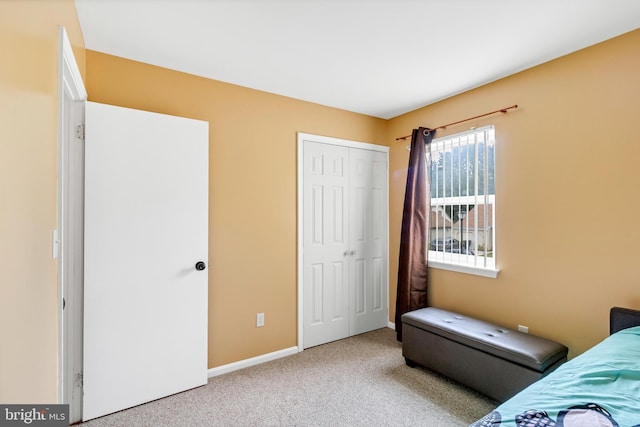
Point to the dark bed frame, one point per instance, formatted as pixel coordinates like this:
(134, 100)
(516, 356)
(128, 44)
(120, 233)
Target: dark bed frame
(623, 318)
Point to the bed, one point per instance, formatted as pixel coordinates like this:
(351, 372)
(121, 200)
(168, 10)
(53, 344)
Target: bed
(599, 388)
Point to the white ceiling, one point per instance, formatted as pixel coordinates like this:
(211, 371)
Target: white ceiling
(377, 57)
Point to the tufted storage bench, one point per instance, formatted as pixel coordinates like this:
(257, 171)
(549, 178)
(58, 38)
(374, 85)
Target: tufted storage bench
(493, 360)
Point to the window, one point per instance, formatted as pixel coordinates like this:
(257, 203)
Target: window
(462, 222)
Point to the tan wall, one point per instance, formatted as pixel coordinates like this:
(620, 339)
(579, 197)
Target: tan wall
(567, 168)
(28, 157)
(252, 227)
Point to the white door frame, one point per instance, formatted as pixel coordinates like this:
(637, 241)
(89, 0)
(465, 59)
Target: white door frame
(302, 137)
(71, 92)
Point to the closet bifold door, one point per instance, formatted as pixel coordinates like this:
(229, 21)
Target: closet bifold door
(345, 240)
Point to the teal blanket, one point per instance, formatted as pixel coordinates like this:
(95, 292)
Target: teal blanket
(599, 388)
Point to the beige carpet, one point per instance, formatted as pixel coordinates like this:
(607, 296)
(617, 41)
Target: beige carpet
(359, 381)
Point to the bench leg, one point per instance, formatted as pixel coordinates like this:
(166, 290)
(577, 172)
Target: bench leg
(410, 363)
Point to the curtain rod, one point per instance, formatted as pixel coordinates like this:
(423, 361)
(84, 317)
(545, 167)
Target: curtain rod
(502, 110)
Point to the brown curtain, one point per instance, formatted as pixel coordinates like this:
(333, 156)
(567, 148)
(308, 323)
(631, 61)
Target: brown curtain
(414, 238)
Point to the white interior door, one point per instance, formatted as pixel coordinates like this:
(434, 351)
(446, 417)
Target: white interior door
(344, 260)
(146, 216)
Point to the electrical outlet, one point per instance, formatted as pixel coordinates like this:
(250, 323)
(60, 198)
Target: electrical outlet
(524, 329)
(259, 320)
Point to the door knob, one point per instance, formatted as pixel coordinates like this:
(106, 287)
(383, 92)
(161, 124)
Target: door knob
(200, 265)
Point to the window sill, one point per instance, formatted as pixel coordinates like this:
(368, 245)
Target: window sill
(477, 271)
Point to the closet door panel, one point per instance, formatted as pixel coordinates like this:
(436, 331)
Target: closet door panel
(368, 239)
(325, 262)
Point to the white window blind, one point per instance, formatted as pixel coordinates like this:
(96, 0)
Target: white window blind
(462, 221)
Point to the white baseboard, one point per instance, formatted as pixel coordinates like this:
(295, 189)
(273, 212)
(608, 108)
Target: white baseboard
(235, 366)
